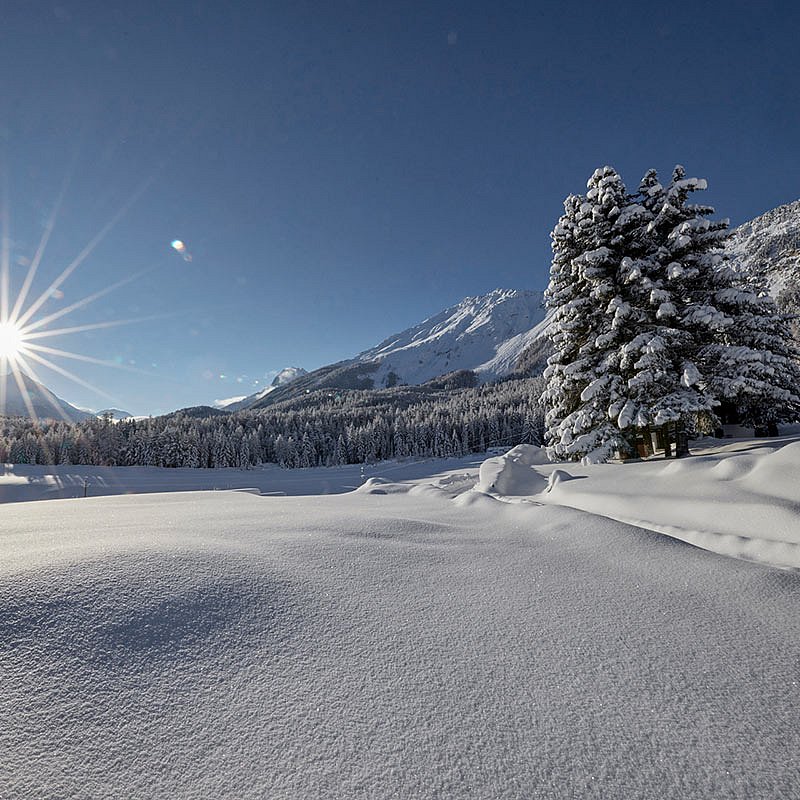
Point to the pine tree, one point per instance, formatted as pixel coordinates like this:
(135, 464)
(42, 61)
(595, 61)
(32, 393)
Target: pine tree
(650, 325)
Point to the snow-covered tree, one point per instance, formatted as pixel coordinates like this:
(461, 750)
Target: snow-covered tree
(671, 243)
(736, 347)
(651, 326)
(582, 375)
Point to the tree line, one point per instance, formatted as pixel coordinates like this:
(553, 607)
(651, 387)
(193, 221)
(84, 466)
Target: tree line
(324, 428)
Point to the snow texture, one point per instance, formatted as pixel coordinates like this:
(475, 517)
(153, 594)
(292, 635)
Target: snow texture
(394, 645)
(769, 247)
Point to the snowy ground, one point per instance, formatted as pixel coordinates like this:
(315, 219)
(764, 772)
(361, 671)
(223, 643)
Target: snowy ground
(404, 640)
(23, 482)
(736, 497)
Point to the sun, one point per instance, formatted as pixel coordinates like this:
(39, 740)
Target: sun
(11, 339)
(25, 322)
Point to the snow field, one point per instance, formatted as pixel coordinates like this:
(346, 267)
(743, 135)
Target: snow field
(383, 645)
(24, 482)
(739, 498)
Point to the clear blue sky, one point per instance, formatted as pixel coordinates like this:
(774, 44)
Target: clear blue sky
(341, 170)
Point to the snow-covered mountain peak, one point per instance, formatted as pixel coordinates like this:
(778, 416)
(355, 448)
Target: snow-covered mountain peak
(35, 397)
(287, 375)
(484, 333)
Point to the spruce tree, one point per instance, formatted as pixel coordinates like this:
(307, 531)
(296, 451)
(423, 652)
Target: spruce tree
(735, 347)
(582, 375)
(668, 246)
(651, 326)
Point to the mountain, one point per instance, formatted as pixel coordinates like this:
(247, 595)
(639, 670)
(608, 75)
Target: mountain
(114, 413)
(284, 377)
(41, 399)
(504, 332)
(769, 247)
(483, 335)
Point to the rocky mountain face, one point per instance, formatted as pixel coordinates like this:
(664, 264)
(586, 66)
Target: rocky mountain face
(485, 334)
(769, 248)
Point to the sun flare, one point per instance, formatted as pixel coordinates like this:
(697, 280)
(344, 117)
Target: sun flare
(11, 338)
(25, 322)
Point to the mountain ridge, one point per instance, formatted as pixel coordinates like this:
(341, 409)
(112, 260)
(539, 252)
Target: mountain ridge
(41, 399)
(483, 334)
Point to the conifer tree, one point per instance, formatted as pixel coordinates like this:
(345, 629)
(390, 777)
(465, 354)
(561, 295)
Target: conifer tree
(658, 360)
(651, 326)
(734, 346)
(582, 375)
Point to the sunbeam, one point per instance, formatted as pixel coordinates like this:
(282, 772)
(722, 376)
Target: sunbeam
(43, 242)
(45, 362)
(86, 252)
(53, 351)
(5, 252)
(23, 390)
(91, 326)
(85, 301)
(31, 373)
(20, 325)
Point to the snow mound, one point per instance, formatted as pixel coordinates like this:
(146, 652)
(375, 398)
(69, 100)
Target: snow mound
(379, 485)
(778, 473)
(476, 499)
(736, 498)
(733, 468)
(556, 477)
(513, 473)
(427, 490)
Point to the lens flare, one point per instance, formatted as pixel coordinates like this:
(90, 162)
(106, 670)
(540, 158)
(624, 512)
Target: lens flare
(179, 247)
(22, 323)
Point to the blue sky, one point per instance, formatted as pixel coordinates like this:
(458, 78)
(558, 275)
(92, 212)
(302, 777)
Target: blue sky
(341, 170)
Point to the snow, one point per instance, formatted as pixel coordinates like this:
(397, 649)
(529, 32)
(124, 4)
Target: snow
(735, 497)
(24, 482)
(38, 397)
(397, 643)
(510, 474)
(769, 247)
(286, 375)
(486, 334)
(228, 401)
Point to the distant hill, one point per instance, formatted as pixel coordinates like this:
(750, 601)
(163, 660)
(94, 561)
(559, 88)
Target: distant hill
(200, 412)
(114, 413)
(44, 403)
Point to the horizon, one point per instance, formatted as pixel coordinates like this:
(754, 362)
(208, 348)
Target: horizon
(295, 185)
